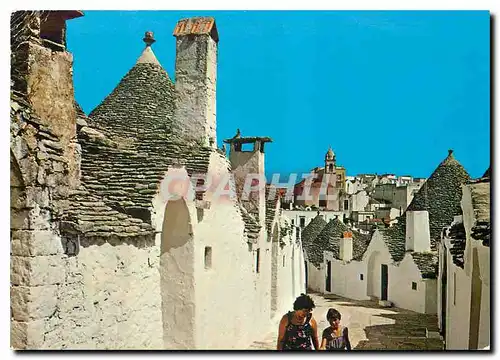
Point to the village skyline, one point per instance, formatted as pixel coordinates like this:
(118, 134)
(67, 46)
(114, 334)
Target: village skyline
(364, 83)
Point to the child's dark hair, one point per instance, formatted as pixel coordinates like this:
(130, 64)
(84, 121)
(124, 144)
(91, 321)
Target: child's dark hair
(333, 314)
(303, 302)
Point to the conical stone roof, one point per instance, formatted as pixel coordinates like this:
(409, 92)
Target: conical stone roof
(441, 194)
(142, 104)
(137, 119)
(312, 230)
(329, 240)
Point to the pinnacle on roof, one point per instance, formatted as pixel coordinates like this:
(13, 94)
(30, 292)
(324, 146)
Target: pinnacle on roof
(148, 56)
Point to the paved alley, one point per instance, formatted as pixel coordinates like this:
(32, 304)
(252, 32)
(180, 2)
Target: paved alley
(371, 327)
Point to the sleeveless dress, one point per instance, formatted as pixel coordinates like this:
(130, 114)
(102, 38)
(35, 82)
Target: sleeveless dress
(334, 341)
(298, 337)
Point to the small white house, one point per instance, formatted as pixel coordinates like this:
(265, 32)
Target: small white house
(314, 271)
(464, 274)
(399, 264)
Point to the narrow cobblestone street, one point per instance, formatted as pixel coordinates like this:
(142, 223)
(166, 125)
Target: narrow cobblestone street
(371, 327)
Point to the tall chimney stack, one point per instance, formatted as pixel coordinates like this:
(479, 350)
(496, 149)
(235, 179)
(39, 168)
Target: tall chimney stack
(346, 246)
(195, 78)
(418, 238)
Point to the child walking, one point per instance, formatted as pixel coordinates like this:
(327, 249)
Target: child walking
(336, 336)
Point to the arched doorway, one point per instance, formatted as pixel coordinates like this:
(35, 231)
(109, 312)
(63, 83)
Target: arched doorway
(177, 276)
(373, 284)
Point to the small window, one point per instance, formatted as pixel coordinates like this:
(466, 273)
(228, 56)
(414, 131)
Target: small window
(346, 204)
(293, 221)
(208, 257)
(361, 277)
(414, 285)
(257, 261)
(302, 221)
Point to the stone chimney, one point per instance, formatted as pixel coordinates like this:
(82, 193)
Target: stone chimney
(418, 238)
(42, 72)
(248, 168)
(345, 251)
(195, 78)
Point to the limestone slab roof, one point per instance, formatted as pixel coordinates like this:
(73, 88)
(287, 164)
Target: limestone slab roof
(140, 108)
(329, 239)
(480, 193)
(312, 230)
(441, 195)
(137, 118)
(272, 204)
(458, 241)
(395, 239)
(427, 263)
(252, 226)
(88, 215)
(85, 213)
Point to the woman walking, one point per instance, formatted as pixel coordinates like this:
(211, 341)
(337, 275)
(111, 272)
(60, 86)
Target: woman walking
(298, 329)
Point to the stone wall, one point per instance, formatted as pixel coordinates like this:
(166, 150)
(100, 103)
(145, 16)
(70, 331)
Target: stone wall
(51, 94)
(40, 271)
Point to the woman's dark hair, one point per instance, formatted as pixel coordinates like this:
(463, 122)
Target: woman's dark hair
(333, 314)
(303, 302)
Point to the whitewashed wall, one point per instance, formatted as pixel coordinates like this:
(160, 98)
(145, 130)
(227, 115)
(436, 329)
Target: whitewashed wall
(431, 290)
(377, 254)
(112, 304)
(316, 278)
(290, 278)
(346, 278)
(400, 286)
(458, 308)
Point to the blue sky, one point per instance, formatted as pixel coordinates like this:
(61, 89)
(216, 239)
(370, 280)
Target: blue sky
(391, 92)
